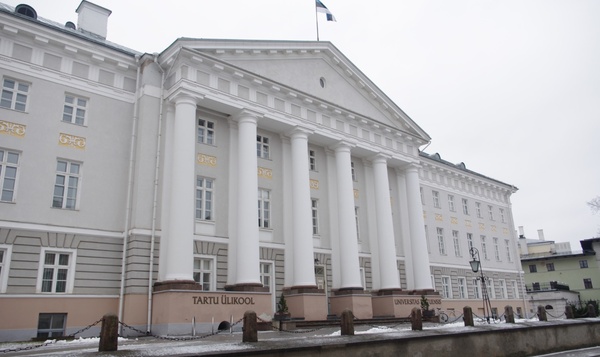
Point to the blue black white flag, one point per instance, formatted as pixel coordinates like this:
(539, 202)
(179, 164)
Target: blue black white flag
(322, 8)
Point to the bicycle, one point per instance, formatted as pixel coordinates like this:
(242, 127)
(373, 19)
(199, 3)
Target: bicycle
(443, 314)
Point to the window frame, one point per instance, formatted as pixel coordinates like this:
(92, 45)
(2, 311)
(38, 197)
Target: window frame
(50, 330)
(263, 147)
(15, 93)
(478, 209)
(583, 264)
(446, 287)
(491, 212)
(491, 288)
(451, 203)
(440, 239)
(205, 191)
(496, 249)
(71, 269)
(212, 271)
(264, 208)
(456, 241)
(515, 289)
(75, 108)
(66, 184)
(357, 219)
(353, 171)
(312, 160)
(587, 283)
(477, 292)
(435, 195)
(503, 288)
(205, 134)
(550, 267)
(461, 283)
(484, 247)
(465, 206)
(533, 268)
(4, 164)
(508, 250)
(314, 203)
(502, 216)
(5, 266)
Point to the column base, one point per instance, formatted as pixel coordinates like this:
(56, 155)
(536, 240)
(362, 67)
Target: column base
(306, 302)
(176, 285)
(259, 288)
(355, 299)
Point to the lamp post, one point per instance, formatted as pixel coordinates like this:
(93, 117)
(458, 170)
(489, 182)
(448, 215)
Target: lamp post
(476, 267)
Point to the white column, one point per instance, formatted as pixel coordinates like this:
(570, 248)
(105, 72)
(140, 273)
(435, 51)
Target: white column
(248, 258)
(180, 234)
(405, 230)
(349, 263)
(232, 209)
(388, 268)
(304, 274)
(420, 256)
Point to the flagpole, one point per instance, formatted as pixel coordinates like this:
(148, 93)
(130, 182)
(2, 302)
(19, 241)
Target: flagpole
(317, 20)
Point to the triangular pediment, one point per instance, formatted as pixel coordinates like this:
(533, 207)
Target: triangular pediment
(317, 69)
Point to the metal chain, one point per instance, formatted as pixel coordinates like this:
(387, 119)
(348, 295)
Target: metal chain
(145, 333)
(556, 317)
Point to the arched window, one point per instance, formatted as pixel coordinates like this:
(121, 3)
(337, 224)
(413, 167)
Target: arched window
(26, 10)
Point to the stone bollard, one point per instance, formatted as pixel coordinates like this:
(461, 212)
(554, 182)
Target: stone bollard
(250, 331)
(468, 316)
(109, 333)
(542, 313)
(569, 312)
(416, 319)
(509, 314)
(591, 311)
(347, 323)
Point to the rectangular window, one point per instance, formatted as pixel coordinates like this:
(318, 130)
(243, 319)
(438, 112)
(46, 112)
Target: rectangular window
(427, 239)
(515, 289)
(422, 198)
(508, 254)
(478, 209)
(490, 288)
(204, 272)
(263, 147)
(206, 132)
(66, 184)
(356, 221)
(502, 217)
(533, 268)
(440, 238)
(436, 199)
(476, 288)
(446, 287)
(550, 266)
(74, 110)
(312, 160)
(456, 242)
(587, 283)
(266, 275)
(315, 216)
(496, 249)
(14, 95)
(484, 248)
(503, 289)
(9, 163)
(56, 271)
(5, 254)
(583, 264)
(465, 206)
(470, 241)
(491, 213)
(51, 325)
(451, 203)
(204, 198)
(353, 171)
(264, 208)
(462, 288)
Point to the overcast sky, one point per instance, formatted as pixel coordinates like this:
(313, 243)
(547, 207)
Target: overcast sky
(510, 88)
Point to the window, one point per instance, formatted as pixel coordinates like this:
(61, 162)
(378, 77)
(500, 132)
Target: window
(503, 289)
(264, 208)
(583, 264)
(312, 160)
(14, 95)
(478, 209)
(451, 203)
(427, 239)
(74, 110)
(51, 325)
(456, 241)
(9, 162)
(56, 271)
(422, 198)
(204, 198)
(5, 253)
(484, 248)
(66, 184)
(315, 216)
(204, 272)
(462, 288)
(263, 147)
(476, 288)
(587, 283)
(446, 287)
(363, 279)
(465, 206)
(515, 289)
(491, 213)
(353, 171)
(496, 249)
(507, 245)
(532, 268)
(436, 199)
(266, 275)
(357, 225)
(206, 133)
(440, 237)
(470, 241)
(502, 217)
(490, 288)
(550, 266)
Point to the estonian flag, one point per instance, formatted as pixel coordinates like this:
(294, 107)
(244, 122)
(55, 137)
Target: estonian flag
(323, 8)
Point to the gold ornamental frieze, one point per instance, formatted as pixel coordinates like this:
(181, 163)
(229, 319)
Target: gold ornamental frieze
(454, 220)
(265, 173)
(481, 226)
(314, 184)
(12, 129)
(72, 141)
(206, 160)
(356, 194)
(439, 217)
(505, 231)
(468, 223)
(493, 228)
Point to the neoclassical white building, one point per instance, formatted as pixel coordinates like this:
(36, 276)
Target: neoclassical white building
(209, 179)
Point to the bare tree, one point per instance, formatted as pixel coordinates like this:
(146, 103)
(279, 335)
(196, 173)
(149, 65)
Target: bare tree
(594, 204)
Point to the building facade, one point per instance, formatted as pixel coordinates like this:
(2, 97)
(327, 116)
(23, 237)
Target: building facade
(209, 179)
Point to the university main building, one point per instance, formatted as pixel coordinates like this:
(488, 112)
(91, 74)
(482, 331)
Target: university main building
(209, 179)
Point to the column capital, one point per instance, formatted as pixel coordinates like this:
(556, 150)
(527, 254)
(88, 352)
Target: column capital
(300, 132)
(412, 167)
(181, 95)
(247, 114)
(380, 158)
(343, 145)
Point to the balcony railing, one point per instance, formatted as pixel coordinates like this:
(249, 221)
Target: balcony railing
(550, 286)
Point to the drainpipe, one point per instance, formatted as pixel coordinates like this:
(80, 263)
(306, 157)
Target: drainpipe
(129, 190)
(155, 197)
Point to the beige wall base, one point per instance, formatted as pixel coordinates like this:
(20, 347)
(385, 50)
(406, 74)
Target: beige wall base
(311, 307)
(359, 302)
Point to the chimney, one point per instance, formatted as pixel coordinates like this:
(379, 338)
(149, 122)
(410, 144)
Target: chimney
(521, 232)
(541, 234)
(92, 18)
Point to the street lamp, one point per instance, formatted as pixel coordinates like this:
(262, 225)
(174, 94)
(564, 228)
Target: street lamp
(476, 267)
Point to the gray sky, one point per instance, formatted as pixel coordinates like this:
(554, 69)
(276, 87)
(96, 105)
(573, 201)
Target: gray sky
(511, 88)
